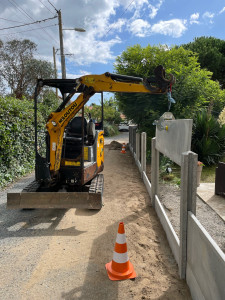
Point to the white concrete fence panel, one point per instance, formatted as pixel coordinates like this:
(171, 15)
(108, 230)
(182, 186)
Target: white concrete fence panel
(200, 260)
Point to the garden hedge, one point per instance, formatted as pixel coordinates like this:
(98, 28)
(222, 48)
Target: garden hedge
(17, 136)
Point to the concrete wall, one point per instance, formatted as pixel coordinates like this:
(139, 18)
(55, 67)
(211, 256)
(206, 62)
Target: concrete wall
(147, 183)
(167, 226)
(176, 140)
(205, 263)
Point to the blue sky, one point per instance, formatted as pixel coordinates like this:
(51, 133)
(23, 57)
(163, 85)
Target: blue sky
(111, 26)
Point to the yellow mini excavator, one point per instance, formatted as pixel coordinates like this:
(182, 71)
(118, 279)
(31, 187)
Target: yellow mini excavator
(68, 174)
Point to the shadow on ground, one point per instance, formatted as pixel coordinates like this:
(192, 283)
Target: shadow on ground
(36, 222)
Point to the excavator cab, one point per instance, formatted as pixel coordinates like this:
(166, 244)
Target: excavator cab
(82, 152)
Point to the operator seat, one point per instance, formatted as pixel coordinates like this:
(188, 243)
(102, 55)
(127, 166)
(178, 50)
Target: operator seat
(74, 130)
(91, 132)
(73, 139)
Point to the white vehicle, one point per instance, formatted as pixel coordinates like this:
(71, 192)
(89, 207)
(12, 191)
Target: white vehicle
(123, 126)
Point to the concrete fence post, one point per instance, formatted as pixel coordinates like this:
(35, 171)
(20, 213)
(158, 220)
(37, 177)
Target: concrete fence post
(131, 138)
(138, 146)
(143, 151)
(129, 142)
(154, 171)
(187, 203)
(134, 138)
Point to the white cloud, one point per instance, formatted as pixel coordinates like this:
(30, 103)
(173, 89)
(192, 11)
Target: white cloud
(154, 9)
(139, 28)
(104, 20)
(96, 16)
(90, 50)
(174, 27)
(118, 25)
(194, 18)
(153, 12)
(74, 76)
(208, 16)
(222, 10)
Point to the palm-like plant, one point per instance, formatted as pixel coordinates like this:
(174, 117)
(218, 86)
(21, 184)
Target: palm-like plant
(208, 139)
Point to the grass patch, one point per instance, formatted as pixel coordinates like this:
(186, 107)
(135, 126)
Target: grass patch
(208, 173)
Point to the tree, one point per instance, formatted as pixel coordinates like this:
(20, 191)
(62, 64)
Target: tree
(111, 113)
(211, 55)
(193, 89)
(19, 69)
(208, 138)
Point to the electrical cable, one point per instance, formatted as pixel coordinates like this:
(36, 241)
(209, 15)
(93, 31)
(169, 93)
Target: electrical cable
(52, 6)
(11, 20)
(24, 12)
(27, 15)
(110, 28)
(46, 7)
(28, 30)
(44, 20)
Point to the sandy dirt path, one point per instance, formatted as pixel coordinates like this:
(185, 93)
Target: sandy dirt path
(61, 254)
(122, 137)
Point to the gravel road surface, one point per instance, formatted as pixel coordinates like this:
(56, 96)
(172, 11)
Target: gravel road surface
(61, 254)
(212, 222)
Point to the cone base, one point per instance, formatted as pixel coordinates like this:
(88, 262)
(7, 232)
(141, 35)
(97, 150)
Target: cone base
(123, 152)
(113, 275)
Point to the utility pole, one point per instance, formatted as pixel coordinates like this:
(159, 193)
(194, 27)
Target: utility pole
(63, 64)
(55, 70)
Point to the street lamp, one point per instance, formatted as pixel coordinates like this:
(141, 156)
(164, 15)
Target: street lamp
(76, 29)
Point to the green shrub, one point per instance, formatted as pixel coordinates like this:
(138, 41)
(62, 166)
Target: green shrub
(208, 139)
(110, 129)
(17, 136)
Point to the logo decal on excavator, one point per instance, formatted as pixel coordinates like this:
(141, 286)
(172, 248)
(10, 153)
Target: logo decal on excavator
(67, 113)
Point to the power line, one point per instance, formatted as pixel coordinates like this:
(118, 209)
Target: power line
(44, 20)
(110, 28)
(46, 7)
(53, 6)
(20, 9)
(11, 20)
(24, 12)
(28, 30)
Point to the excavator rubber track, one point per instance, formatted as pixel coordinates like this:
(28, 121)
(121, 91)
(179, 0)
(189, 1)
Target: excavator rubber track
(33, 197)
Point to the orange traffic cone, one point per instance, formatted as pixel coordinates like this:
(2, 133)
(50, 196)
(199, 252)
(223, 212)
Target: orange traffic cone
(120, 267)
(123, 148)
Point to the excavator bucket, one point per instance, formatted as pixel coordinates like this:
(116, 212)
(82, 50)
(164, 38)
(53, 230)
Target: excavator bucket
(33, 196)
